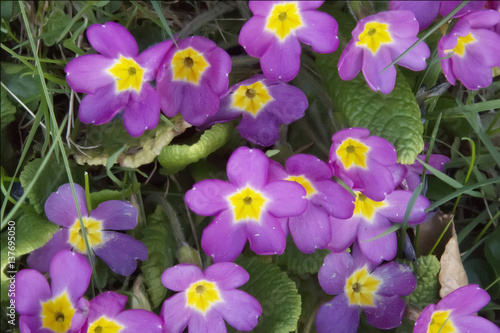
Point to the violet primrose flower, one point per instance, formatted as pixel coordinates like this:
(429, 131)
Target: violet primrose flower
(378, 40)
(264, 104)
(247, 207)
(408, 176)
(361, 285)
(207, 299)
(325, 197)
(363, 162)
(192, 79)
(116, 79)
(59, 307)
(471, 49)
(106, 315)
(118, 250)
(455, 313)
(274, 32)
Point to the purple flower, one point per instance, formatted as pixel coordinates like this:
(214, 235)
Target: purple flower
(408, 176)
(106, 315)
(274, 32)
(471, 49)
(363, 162)
(192, 79)
(325, 197)
(116, 249)
(455, 313)
(247, 207)
(372, 218)
(116, 79)
(263, 104)
(206, 299)
(59, 307)
(360, 284)
(377, 41)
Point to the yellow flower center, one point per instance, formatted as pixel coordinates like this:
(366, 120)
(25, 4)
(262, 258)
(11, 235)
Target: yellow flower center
(352, 153)
(128, 74)
(366, 206)
(251, 98)
(361, 287)
(57, 313)
(374, 35)
(201, 295)
(247, 204)
(104, 325)
(188, 65)
(305, 183)
(93, 230)
(461, 43)
(441, 323)
(284, 19)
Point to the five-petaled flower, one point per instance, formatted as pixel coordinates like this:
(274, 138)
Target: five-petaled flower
(376, 41)
(57, 308)
(471, 49)
(274, 32)
(117, 78)
(206, 299)
(264, 104)
(360, 284)
(192, 79)
(118, 250)
(455, 313)
(247, 207)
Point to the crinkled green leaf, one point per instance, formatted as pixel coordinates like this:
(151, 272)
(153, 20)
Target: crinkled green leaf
(395, 116)
(7, 110)
(427, 290)
(276, 293)
(31, 231)
(174, 158)
(52, 176)
(298, 262)
(159, 240)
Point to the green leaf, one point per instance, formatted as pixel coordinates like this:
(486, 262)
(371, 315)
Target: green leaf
(31, 231)
(52, 176)
(492, 250)
(175, 158)
(427, 290)
(448, 180)
(23, 82)
(55, 23)
(159, 240)
(395, 116)
(7, 110)
(298, 262)
(276, 293)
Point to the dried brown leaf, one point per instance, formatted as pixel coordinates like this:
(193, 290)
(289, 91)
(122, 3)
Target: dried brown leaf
(452, 275)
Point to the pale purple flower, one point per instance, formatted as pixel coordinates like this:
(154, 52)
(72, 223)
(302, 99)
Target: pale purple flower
(192, 79)
(378, 40)
(247, 207)
(118, 250)
(275, 31)
(408, 176)
(363, 162)
(311, 230)
(264, 104)
(59, 307)
(116, 79)
(205, 300)
(471, 49)
(106, 315)
(360, 285)
(456, 313)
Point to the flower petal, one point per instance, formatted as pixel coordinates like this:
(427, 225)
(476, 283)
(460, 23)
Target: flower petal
(465, 300)
(423, 321)
(386, 313)
(254, 38)
(112, 40)
(181, 276)
(337, 316)
(175, 313)
(309, 5)
(267, 236)
(447, 6)
(32, 288)
(474, 324)
(289, 104)
(262, 130)
(60, 207)
(397, 279)
(320, 31)
(311, 230)
(69, 272)
(120, 252)
(336, 269)
(152, 58)
(116, 215)
(233, 234)
(383, 248)
(210, 322)
(108, 304)
(89, 73)
(376, 183)
(101, 107)
(373, 65)
(40, 258)
(425, 11)
(142, 111)
(333, 198)
(286, 198)
(138, 320)
(239, 309)
(217, 74)
(415, 59)
(350, 61)
(397, 203)
(208, 197)
(282, 59)
(248, 167)
(30, 323)
(343, 233)
(308, 165)
(228, 275)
